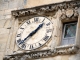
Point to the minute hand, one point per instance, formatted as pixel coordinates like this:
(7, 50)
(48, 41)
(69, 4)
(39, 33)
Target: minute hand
(32, 33)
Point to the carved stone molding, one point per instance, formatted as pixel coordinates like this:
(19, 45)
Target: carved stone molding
(43, 53)
(46, 8)
(69, 13)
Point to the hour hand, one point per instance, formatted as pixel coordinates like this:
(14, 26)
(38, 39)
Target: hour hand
(32, 33)
(40, 26)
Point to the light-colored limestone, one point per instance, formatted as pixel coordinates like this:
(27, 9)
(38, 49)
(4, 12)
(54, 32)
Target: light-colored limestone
(4, 5)
(4, 31)
(4, 37)
(2, 13)
(7, 24)
(7, 16)
(69, 12)
(2, 17)
(32, 3)
(2, 46)
(1, 55)
(78, 32)
(75, 57)
(7, 36)
(15, 4)
(2, 22)
(8, 11)
(45, 59)
(58, 58)
(65, 57)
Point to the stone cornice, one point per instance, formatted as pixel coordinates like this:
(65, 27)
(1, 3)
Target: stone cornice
(43, 53)
(45, 9)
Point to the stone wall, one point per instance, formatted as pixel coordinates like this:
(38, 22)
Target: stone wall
(31, 3)
(9, 26)
(6, 6)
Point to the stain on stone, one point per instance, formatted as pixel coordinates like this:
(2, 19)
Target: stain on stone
(25, 2)
(6, 0)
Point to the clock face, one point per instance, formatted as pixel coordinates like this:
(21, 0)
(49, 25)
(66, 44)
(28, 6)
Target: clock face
(34, 33)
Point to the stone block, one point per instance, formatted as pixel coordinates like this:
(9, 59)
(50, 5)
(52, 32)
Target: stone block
(16, 24)
(69, 12)
(2, 13)
(2, 22)
(7, 16)
(33, 3)
(7, 24)
(1, 55)
(8, 11)
(3, 37)
(65, 57)
(25, 2)
(1, 1)
(2, 17)
(6, 0)
(51, 58)
(58, 58)
(2, 46)
(4, 6)
(20, 4)
(13, 43)
(4, 31)
(15, 4)
(75, 57)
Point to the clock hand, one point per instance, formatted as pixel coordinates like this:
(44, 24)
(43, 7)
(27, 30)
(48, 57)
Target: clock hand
(32, 33)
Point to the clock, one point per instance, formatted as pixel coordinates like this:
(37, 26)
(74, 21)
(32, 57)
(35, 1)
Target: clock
(34, 33)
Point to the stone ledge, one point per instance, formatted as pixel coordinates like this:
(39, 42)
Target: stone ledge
(62, 50)
(45, 9)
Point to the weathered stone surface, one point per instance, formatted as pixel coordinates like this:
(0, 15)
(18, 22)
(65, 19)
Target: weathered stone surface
(2, 46)
(7, 16)
(75, 57)
(4, 31)
(2, 13)
(8, 11)
(66, 57)
(58, 58)
(8, 24)
(48, 8)
(4, 6)
(78, 32)
(33, 3)
(2, 17)
(1, 55)
(5, 25)
(46, 59)
(2, 22)
(69, 12)
(15, 4)
(4, 37)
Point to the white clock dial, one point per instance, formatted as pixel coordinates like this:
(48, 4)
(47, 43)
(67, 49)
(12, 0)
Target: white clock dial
(34, 33)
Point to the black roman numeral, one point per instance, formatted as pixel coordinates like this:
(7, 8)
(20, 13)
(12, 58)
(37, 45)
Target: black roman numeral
(48, 24)
(36, 19)
(18, 41)
(40, 44)
(31, 47)
(46, 38)
(18, 35)
(23, 46)
(28, 22)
